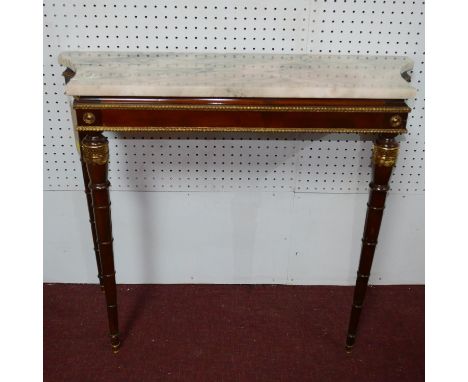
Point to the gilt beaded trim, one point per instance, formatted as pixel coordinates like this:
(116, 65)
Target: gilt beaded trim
(237, 129)
(316, 109)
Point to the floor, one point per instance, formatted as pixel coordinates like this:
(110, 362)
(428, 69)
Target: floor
(233, 333)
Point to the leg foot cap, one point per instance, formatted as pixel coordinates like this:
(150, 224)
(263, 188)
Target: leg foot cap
(116, 348)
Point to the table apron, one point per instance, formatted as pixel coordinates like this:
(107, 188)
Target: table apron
(240, 120)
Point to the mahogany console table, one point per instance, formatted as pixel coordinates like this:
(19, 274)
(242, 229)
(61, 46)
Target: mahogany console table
(139, 92)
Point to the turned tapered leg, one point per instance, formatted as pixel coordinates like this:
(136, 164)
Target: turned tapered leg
(91, 213)
(95, 153)
(384, 156)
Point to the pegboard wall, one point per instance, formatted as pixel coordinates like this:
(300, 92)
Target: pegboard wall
(227, 162)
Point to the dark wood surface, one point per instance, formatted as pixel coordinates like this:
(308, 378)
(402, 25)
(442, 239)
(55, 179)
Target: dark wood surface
(98, 114)
(95, 151)
(320, 115)
(382, 170)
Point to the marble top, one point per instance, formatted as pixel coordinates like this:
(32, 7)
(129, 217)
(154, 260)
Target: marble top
(162, 74)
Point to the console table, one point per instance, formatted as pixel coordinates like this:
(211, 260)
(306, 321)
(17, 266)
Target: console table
(148, 92)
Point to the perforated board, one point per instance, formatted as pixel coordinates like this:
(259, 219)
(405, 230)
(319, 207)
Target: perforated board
(221, 162)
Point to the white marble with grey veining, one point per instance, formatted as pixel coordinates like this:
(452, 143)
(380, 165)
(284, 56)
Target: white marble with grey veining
(162, 74)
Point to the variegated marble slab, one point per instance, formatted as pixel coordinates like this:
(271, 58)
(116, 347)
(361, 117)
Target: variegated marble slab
(161, 74)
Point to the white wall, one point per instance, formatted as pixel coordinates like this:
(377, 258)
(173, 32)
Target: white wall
(235, 237)
(285, 208)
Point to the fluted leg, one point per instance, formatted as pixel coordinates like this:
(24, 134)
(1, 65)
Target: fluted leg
(384, 156)
(91, 213)
(95, 153)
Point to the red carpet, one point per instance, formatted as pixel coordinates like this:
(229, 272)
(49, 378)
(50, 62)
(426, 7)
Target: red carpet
(233, 333)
